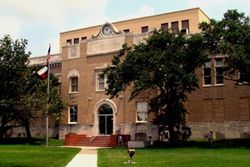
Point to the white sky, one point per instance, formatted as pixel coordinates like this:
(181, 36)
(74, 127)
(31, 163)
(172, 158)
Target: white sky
(41, 21)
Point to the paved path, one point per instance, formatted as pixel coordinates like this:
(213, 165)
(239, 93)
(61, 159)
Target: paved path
(87, 157)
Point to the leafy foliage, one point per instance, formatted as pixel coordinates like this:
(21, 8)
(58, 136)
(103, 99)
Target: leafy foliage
(231, 36)
(23, 95)
(165, 64)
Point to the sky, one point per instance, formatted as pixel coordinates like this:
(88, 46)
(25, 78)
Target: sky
(40, 22)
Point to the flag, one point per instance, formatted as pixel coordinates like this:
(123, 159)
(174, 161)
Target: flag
(43, 71)
(48, 56)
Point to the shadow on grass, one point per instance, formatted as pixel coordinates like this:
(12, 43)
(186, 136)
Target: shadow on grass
(34, 141)
(223, 143)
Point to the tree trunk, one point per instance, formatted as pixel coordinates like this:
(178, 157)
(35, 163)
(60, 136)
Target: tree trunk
(28, 133)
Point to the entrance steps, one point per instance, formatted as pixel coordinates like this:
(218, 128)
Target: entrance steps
(83, 140)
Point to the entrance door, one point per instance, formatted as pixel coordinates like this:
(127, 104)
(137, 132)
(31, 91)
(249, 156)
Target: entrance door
(105, 119)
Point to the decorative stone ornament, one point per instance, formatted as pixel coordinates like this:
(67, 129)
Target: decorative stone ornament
(107, 29)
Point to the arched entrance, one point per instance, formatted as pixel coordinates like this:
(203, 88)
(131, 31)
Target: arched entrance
(105, 115)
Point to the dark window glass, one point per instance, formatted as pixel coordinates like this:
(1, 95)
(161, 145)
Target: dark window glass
(84, 38)
(126, 31)
(185, 24)
(69, 41)
(164, 26)
(76, 41)
(175, 27)
(73, 114)
(144, 29)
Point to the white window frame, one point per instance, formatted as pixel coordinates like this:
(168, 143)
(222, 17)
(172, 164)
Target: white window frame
(211, 75)
(215, 68)
(70, 84)
(69, 115)
(145, 112)
(105, 86)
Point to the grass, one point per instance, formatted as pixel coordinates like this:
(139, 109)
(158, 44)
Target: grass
(176, 157)
(36, 155)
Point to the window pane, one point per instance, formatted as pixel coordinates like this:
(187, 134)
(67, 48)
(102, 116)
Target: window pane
(219, 80)
(175, 26)
(208, 64)
(74, 84)
(142, 111)
(142, 106)
(144, 29)
(207, 80)
(219, 71)
(164, 26)
(141, 116)
(69, 41)
(185, 24)
(219, 62)
(76, 41)
(207, 71)
(126, 31)
(73, 114)
(101, 83)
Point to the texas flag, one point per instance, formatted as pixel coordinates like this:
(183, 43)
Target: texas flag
(43, 71)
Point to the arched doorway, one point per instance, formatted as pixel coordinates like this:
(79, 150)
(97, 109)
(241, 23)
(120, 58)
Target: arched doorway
(105, 115)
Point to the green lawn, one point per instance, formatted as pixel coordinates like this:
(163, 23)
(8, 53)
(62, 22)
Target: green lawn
(177, 157)
(35, 156)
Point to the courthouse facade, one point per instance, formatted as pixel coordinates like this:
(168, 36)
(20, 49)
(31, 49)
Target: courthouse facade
(217, 105)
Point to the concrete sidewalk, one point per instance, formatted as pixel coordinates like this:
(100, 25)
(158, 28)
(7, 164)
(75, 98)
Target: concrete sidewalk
(87, 157)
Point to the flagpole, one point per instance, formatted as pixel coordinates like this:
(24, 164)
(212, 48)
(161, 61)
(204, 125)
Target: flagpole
(47, 115)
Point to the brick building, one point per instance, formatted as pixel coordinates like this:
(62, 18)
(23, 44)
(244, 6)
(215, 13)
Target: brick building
(218, 105)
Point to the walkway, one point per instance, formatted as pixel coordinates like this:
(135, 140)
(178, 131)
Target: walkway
(86, 157)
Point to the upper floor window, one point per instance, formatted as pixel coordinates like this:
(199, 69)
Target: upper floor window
(69, 41)
(83, 38)
(76, 41)
(185, 24)
(144, 29)
(101, 82)
(207, 74)
(175, 26)
(74, 84)
(126, 31)
(73, 114)
(141, 111)
(164, 27)
(219, 70)
(213, 72)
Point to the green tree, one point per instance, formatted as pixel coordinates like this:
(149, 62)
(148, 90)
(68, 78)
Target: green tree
(13, 64)
(231, 36)
(34, 103)
(165, 65)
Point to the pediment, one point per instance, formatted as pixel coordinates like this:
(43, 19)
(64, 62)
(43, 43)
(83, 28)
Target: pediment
(106, 30)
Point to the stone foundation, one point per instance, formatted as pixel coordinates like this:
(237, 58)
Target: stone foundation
(221, 130)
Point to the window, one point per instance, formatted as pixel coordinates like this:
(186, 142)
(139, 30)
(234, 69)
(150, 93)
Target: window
(69, 41)
(213, 72)
(126, 31)
(207, 73)
(175, 27)
(185, 24)
(144, 29)
(101, 82)
(219, 70)
(76, 41)
(73, 84)
(164, 27)
(73, 114)
(141, 111)
(84, 38)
